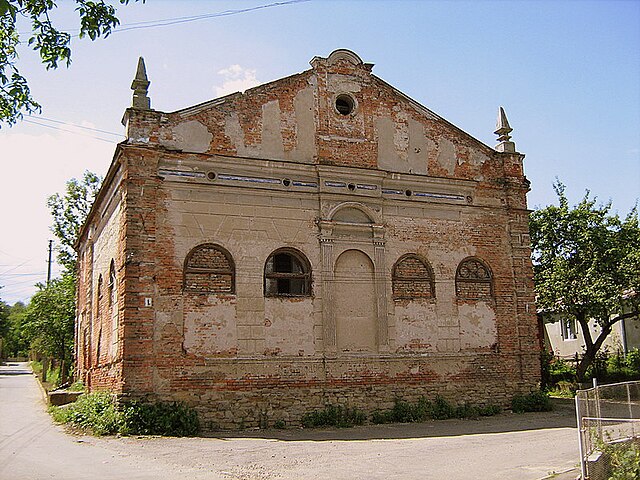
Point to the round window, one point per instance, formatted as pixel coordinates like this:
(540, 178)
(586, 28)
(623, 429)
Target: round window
(345, 104)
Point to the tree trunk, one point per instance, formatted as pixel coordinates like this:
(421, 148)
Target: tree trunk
(63, 372)
(591, 350)
(585, 363)
(45, 368)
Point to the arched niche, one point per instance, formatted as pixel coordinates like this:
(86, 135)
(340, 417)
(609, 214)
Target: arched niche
(355, 302)
(351, 227)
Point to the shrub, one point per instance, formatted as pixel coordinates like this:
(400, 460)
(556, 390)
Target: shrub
(100, 414)
(489, 410)
(546, 358)
(167, 419)
(95, 412)
(560, 371)
(76, 387)
(633, 360)
(423, 409)
(624, 460)
(564, 389)
(440, 409)
(536, 401)
(334, 416)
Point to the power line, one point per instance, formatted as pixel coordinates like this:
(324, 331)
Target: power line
(179, 20)
(21, 275)
(68, 131)
(16, 266)
(74, 125)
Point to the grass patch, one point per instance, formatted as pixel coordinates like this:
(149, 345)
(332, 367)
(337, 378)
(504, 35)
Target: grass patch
(100, 414)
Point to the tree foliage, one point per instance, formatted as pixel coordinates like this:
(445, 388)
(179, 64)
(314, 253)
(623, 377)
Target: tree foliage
(4, 319)
(69, 211)
(11, 320)
(49, 320)
(586, 266)
(97, 19)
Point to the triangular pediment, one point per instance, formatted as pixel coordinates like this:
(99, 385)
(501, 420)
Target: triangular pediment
(336, 113)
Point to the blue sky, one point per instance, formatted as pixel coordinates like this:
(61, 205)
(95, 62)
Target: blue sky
(567, 73)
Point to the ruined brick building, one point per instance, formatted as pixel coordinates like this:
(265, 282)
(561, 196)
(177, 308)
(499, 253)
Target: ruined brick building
(320, 239)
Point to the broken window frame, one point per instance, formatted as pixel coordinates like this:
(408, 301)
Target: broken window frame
(273, 279)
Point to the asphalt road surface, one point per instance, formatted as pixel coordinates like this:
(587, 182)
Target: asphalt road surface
(507, 446)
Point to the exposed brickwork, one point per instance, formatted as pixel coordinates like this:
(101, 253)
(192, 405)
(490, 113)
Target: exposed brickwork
(436, 298)
(208, 270)
(473, 280)
(412, 279)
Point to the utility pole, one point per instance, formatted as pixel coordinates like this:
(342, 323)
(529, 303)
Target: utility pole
(49, 262)
(45, 359)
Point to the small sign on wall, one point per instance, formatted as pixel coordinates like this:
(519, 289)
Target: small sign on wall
(148, 302)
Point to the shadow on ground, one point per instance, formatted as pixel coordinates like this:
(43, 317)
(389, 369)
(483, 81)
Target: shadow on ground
(13, 368)
(563, 416)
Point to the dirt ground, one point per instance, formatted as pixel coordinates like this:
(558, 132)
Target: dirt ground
(507, 446)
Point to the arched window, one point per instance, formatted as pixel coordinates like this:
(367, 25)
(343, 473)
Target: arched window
(287, 273)
(412, 278)
(473, 280)
(209, 268)
(113, 290)
(113, 308)
(99, 290)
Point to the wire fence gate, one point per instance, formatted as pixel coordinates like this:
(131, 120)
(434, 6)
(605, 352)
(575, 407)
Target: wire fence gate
(608, 417)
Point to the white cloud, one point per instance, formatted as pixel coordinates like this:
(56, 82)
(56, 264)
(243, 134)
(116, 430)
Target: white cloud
(235, 79)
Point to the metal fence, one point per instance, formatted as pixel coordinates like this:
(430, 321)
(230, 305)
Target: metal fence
(608, 416)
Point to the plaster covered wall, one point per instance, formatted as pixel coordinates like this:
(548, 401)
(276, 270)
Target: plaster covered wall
(281, 168)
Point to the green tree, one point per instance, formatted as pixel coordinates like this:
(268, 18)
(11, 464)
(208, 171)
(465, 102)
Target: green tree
(97, 19)
(586, 266)
(14, 344)
(49, 320)
(4, 326)
(69, 212)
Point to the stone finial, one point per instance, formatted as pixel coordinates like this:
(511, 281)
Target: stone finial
(140, 87)
(503, 129)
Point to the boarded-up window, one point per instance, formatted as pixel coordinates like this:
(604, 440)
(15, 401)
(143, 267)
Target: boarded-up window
(412, 278)
(473, 280)
(209, 268)
(287, 274)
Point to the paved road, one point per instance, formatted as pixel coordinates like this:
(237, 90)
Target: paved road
(526, 447)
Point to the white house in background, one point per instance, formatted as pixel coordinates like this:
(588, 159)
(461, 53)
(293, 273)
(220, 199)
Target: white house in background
(563, 336)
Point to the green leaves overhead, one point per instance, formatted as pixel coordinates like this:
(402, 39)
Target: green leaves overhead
(97, 19)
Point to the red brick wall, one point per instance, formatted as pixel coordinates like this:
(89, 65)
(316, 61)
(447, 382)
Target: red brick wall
(234, 385)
